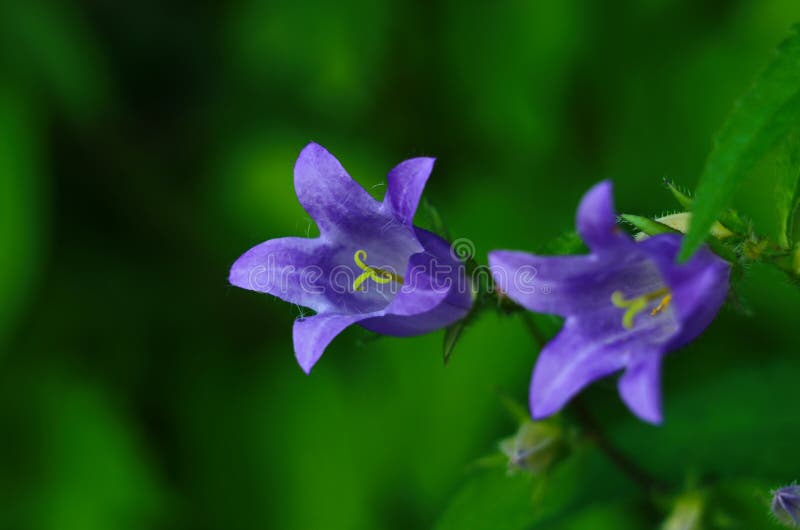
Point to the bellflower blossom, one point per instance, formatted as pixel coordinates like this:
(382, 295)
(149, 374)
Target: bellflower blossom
(626, 304)
(369, 266)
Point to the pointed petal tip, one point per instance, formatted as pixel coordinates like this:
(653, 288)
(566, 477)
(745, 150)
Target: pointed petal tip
(539, 412)
(640, 390)
(405, 185)
(542, 404)
(306, 367)
(596, 219)
(598, 202)
(305, 363)
(311, 335)
(313, 146)
(654, 418)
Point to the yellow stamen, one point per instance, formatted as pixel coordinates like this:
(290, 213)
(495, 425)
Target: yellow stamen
(634, 306)
(377, 275)
(662, 305)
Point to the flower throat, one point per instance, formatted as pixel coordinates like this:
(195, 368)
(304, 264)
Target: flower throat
(377, 275)
(634, 306)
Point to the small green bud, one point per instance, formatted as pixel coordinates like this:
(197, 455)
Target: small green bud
(678, 222)
(535, 448)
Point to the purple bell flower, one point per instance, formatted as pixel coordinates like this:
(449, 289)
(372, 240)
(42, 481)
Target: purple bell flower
(626, 304)
(786, 505)
(370, 265)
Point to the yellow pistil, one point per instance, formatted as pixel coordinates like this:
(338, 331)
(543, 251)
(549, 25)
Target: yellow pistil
(634, 306)
(377, 275)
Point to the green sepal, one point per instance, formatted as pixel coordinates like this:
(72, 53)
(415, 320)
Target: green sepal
(683, 198)
(652, 227)
(452, 334)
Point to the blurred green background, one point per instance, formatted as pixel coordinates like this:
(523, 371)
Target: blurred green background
(145, 145)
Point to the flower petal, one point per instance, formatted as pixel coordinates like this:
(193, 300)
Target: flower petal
(420, 292)
(546, 284)
(640, 386)
(571, 285)
(313, 334)
(289, 268)
(699, 287)
(596, 221)
(405, 184)
(328, 193)
(437, 292)
(566, 365)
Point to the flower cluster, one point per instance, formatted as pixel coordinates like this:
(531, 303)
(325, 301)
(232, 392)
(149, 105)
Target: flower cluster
(626, 303)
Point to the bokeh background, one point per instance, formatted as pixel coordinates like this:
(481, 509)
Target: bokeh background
(145, 145)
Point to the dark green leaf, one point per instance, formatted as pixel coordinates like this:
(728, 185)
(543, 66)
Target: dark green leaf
(764, 115)
(787, 189)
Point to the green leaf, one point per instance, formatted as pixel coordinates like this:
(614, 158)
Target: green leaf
(787, 189)
(761, 118)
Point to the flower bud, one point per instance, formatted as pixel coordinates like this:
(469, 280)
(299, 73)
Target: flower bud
(786, 505)
(536, 447)
(677, 221)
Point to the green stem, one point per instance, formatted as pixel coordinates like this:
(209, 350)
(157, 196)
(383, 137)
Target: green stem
(592, 430)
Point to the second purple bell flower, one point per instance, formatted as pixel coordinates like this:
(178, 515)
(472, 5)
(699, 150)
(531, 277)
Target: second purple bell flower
(626, 304)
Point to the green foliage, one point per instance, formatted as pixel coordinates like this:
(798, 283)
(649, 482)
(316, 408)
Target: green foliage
(760, 119)
(787, 190)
